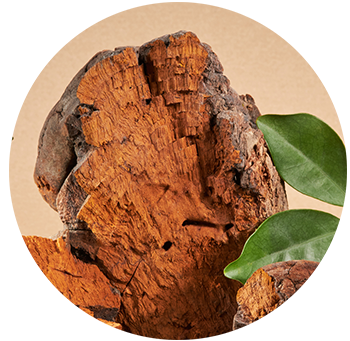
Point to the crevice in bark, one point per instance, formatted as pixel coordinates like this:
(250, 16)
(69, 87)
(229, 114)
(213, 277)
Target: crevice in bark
(131, 278)
(67, 273)
(167, 245)
(228, 226)
(198, 223)
(82, 255)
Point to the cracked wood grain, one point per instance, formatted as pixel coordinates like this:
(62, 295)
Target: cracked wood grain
(159, 174)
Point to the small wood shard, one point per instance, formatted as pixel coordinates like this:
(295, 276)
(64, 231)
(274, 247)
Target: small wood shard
(268, 288)
(82, 283)
(250, 294)
(159, 174)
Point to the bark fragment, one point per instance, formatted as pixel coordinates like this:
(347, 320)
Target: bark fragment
(162, 178)
(268, 288)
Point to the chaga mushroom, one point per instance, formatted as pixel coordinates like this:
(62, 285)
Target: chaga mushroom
(159, 174)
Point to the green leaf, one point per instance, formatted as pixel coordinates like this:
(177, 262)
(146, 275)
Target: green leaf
(288, 235)
(337, 251)
(307, 154)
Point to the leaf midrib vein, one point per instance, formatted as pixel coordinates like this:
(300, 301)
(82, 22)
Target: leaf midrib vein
(313, 163)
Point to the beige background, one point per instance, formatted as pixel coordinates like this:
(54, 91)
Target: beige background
(256, 60)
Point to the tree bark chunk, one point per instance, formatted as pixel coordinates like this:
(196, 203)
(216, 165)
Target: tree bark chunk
(268, 288)
(159, 174)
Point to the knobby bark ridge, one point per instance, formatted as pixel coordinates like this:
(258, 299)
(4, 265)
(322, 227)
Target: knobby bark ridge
(159, 174)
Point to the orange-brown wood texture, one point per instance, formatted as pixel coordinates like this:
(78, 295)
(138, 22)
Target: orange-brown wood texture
(159, 174)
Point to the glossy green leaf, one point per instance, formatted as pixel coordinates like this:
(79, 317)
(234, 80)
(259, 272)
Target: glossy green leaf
(288, 235)
(307, 154)
(337, 251)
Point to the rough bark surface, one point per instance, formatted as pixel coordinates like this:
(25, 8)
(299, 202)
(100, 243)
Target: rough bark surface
(268, 288)
(159, 174)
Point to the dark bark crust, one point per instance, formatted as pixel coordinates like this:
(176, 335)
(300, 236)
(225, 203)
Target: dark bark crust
(159, 173)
